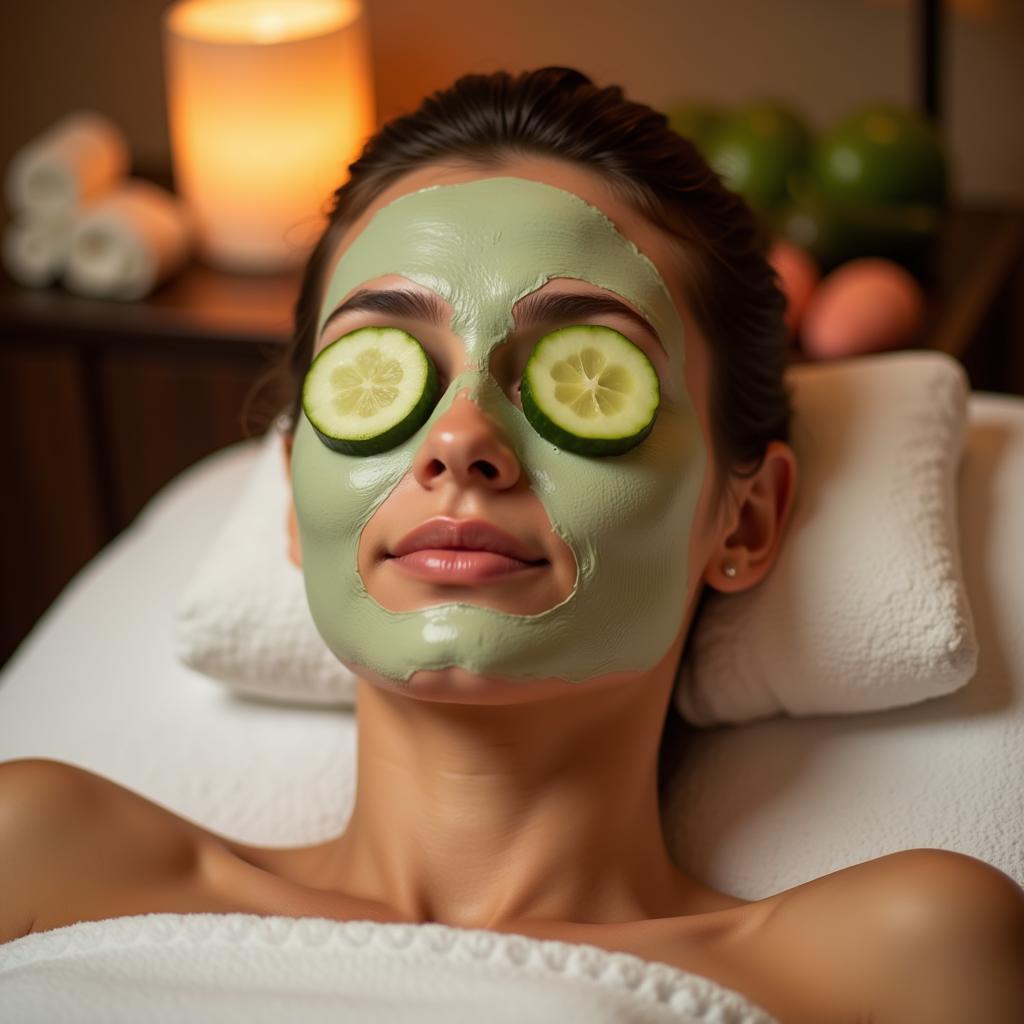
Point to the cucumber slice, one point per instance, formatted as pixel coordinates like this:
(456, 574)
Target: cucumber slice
(370, 390)
(590, 390)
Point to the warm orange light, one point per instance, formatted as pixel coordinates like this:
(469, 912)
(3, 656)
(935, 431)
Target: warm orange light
(269, 102)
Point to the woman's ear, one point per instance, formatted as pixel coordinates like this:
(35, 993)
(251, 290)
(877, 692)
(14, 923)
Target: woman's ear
(752, 534)
(294, 549)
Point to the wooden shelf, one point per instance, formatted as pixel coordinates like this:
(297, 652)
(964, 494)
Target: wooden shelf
(200, 306)
(972, 290)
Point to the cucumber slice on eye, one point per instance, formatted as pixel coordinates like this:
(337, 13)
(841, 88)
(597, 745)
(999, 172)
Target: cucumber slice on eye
(370, 390)
(590, 390)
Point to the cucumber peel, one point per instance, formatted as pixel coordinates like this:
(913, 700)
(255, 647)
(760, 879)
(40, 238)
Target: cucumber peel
(590, 390)
(370, 390)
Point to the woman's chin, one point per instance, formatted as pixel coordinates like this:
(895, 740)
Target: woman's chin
(456, 685)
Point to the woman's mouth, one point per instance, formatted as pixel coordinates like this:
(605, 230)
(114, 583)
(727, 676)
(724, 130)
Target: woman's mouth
(462, 551)
(444, 565)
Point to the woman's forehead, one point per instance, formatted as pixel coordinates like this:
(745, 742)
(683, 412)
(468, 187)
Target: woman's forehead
(482, 245)
(590, 186)
(586, 184)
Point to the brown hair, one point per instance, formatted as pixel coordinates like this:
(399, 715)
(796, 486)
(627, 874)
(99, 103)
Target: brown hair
(558, 112)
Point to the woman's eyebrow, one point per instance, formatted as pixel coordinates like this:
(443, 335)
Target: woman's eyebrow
(544, 307)
(538, 307)
(415, 305)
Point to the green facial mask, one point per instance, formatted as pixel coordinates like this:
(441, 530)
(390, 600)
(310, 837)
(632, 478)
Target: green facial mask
(482, 246)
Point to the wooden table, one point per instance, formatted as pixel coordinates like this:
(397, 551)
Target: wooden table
(102, 403)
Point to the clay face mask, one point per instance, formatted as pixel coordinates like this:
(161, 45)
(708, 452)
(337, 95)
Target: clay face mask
(482, 246)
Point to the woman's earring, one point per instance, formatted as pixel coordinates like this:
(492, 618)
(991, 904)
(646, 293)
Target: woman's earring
(729, 569)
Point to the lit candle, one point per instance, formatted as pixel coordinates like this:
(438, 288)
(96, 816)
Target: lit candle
(268, 103)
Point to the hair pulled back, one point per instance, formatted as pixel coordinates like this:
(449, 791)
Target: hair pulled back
(559, 112)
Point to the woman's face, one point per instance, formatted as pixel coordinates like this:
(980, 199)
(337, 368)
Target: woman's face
(608, 551)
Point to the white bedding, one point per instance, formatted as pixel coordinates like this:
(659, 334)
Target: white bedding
(753, 809)
(224, 968)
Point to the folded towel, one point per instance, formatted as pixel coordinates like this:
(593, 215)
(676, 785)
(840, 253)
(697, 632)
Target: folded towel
(243, 618)
(866, 606)
(247, 968)
(35, 249)
(82, 156)
(127, 243)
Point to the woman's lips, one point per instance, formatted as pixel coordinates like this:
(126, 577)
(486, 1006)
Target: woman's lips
(447, 565)
(461, 551)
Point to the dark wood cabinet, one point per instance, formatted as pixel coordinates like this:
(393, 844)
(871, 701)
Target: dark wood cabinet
(102, 403)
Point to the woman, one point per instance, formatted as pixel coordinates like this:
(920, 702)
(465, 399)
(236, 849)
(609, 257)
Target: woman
(517, 610)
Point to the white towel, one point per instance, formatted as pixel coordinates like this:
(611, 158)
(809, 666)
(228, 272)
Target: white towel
(35, 249)
(78, 159)
(127, 243)
(224, 968)
(265, 644)
(866, 606)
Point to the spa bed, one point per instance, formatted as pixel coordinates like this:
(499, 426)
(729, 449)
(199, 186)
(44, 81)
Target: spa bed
(753, 808)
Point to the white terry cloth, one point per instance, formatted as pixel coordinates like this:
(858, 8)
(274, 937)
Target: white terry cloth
(35, 249)
(865, 608)
(224, 968)
(77, 159)
(243, 618)
(127, 243)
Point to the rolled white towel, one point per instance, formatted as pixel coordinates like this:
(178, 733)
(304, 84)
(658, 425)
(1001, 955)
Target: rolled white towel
(129, 242)
(35, 249)
(79, 158)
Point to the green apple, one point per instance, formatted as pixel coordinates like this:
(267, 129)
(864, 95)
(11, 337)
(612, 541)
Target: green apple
(882, 153)
(758, 150)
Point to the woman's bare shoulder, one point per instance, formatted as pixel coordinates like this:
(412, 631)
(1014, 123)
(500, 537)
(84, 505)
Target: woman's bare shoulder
(923, 934)
(902, 886)
(65, 833)
(38, 800)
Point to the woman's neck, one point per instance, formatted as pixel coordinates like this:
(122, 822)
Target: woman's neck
(478, 816)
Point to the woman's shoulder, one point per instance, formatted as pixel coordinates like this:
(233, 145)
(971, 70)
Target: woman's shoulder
(922, 934)
(67, 833)
(914, 887)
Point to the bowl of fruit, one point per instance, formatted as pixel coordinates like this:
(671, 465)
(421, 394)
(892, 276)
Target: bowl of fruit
(852, 214)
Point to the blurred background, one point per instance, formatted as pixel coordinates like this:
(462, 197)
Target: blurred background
(826, 56)
(105, 398)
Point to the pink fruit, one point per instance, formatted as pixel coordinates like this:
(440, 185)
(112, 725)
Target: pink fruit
(866, 305)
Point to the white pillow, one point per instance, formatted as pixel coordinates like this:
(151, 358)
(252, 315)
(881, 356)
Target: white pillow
(243, 619)
(864, 609)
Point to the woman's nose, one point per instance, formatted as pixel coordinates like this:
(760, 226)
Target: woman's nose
(466, 446)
